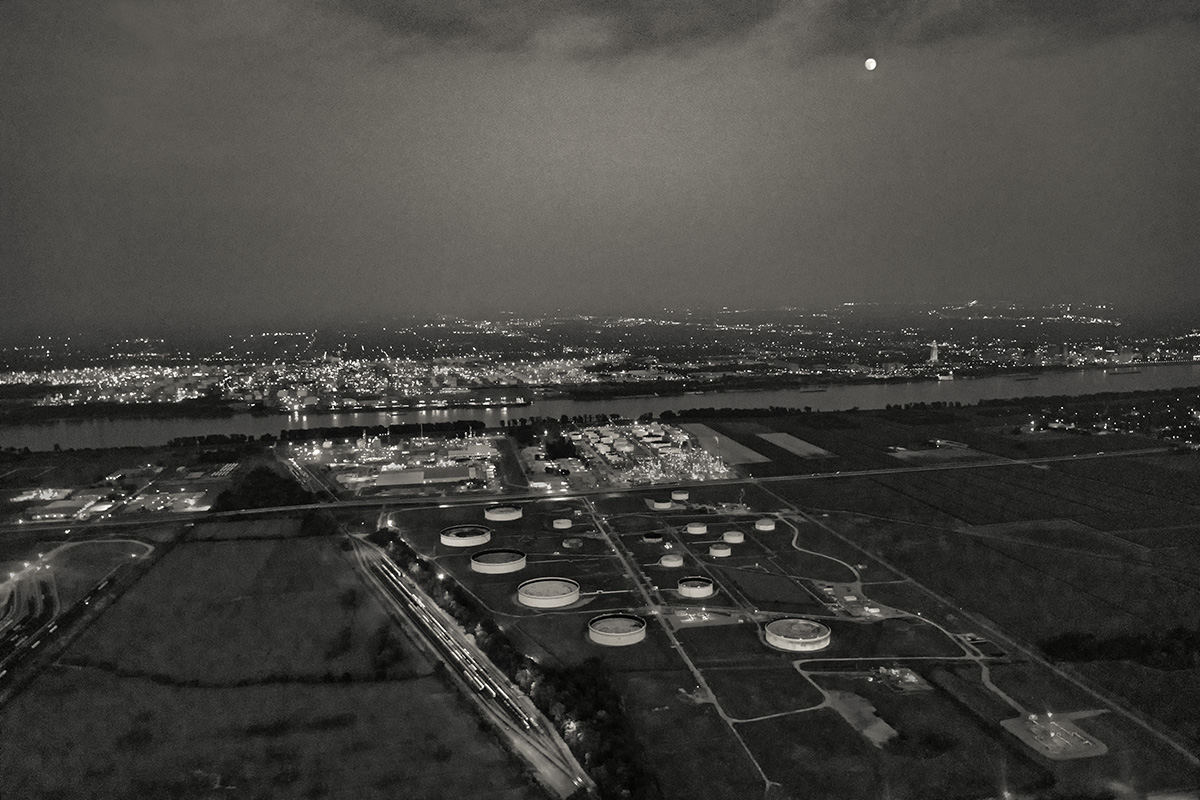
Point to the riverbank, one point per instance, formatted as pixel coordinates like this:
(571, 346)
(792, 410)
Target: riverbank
(100, 433)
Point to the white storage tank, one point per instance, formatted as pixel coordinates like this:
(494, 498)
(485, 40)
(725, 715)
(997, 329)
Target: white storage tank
(720, 550)
(617, 630)
(562, 523)
(661, 505)
(548, 592)
(502, 513)
(495, 562)
(697, 528)
(465, 535)
(797, 635)
(671, 560)
(764, 524)
(733, 537)
(696, 586)
(680, 495)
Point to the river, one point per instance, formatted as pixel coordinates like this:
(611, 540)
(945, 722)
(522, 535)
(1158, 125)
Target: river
(152, 432)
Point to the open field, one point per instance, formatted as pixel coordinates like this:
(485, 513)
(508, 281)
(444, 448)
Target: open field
(1172, 696)
(751, 692)
(88, 733)
(692, 752)
(939, 749)
(229, 611)
(264, 664)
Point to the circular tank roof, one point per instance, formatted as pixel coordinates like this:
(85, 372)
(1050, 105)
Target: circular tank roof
(465, 535)
(502, 513)
(498, 561)
(794, 633)
(617, 623)
(497, 556)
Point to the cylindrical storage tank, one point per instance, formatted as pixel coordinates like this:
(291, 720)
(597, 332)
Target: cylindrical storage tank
(679, 494)
(734, 537)
(764, 524)
(697, 528)
(797, 635)
(465, 535)
(562, 523)
(617, 630)
(652, 538)
(495, 562)
(502, 513)
(661, 505)
(671, 560)
(696, 586)
(548, 592)
(720, 550)
(572, 543)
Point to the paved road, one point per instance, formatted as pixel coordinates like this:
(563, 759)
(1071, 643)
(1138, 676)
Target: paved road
(35, 611)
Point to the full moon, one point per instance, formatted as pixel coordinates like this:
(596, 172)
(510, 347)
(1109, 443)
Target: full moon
(870, 63)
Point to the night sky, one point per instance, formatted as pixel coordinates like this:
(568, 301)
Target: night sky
(199, 164)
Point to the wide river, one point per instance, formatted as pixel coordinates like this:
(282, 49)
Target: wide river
(153, 432)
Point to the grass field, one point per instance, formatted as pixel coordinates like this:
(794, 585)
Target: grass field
(87, 733)
(266, 664)
(940, 749)
(691, 750)
(241, 610)
(1170, 696)
(759, 691)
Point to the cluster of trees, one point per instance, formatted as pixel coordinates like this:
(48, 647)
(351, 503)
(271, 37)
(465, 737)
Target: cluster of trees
(222, 439)
(728, 413)
(400, 429)
(581, 700)
(1178, 648)
(565, 419)
(262, 487)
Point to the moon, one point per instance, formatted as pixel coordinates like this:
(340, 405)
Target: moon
(870, 64)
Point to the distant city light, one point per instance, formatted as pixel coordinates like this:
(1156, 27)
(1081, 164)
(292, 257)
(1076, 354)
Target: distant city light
(870, 64)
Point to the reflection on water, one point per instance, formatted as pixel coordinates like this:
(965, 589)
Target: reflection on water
(151, 432)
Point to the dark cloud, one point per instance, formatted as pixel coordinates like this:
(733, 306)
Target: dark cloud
(817, 26)
(854, 26)
(628, 25)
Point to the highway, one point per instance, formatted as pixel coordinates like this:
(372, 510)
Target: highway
(33, 611)
(519, 718)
